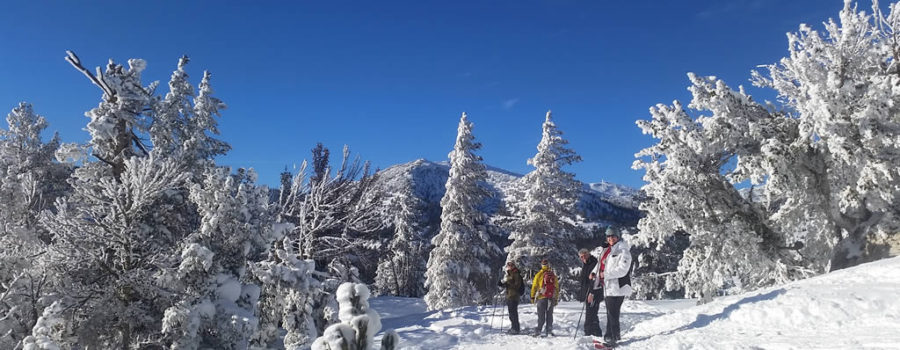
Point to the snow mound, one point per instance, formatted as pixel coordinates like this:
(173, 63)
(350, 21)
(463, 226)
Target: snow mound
(847, 309)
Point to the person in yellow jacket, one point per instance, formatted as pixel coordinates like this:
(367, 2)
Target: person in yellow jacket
(545, 292)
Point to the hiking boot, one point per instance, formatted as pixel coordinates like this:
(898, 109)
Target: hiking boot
(512, 331)
(550, 334)
(537, 333)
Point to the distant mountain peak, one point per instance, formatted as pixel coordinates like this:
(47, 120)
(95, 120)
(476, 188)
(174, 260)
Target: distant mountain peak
(603, 201)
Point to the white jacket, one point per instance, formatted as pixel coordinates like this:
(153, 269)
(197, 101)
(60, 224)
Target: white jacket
(617, 265)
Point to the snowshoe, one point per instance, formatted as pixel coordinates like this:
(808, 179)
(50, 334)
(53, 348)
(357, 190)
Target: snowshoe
(604, 344)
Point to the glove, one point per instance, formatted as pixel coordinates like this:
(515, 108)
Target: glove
(555, 301)
(501, 284)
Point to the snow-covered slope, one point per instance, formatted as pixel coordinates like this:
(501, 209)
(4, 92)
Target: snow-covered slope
(856, 308)
(619, 194)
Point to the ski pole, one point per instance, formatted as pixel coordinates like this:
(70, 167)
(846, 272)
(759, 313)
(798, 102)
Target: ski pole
(605, 311)
(583, 306)
(502, 311)
(493, 312)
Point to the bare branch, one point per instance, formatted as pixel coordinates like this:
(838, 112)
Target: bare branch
(97, 80)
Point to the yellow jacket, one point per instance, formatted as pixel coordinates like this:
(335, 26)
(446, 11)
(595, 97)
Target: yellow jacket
(538, 284)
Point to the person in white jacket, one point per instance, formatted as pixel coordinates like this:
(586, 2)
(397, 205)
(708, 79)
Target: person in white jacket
(614, 269)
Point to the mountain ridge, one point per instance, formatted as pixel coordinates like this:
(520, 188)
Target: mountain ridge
(601, 203)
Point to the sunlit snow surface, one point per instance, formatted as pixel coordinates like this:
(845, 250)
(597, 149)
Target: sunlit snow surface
(857, 308)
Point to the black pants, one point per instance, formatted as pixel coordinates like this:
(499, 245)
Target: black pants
(545, 313)
(513, 307)
(613, 306)
(591, 319)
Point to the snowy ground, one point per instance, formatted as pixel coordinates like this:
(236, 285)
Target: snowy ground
(857, 308)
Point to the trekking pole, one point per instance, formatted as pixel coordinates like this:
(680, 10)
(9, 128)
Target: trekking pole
(605, 310)
(583, 306)
(493, 312)
(502, 311)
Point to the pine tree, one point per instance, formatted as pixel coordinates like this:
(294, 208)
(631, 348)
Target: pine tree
(730, 242)
(839, 174)
(826, 170)
(30, 181)
(290, 289)
(401, 270)
(121, 226)
(183, 123)
(457, 273)
(104, 256)
(546, 227)
(121, 115)
(218, 299)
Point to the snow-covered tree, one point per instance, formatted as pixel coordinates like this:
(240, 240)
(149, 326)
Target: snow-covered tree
(333, 210)
(359, 323)
(457, 273)
(401, 271)
(184, 123)
(104, 257)
(290, 289)
(122, 225)
(840, 177)
(51, 331)
(689, 190)
(30, 181)
(328, 221)
(827, 169)
(545, 226)
(217, 299)
(121, 115)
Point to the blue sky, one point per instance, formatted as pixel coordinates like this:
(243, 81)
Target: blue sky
(390, 78)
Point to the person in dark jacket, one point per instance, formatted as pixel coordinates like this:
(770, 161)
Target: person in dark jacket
(590, 291)
(513, 284)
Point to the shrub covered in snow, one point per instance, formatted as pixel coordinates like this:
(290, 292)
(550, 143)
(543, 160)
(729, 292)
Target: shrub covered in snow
(359, 323)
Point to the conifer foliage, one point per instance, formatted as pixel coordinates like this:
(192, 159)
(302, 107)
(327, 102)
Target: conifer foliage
(218, 299)
(402, 269)
(544, 226)
(457, 274)
(138, 239)
(823, 173)
(30, 181)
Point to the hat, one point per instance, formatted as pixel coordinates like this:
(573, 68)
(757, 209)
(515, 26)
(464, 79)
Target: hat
(612, 232)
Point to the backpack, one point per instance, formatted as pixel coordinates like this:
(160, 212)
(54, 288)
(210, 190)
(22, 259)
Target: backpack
(521, 284)
(549, 284)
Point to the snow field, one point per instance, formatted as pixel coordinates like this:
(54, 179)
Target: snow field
(856, 308)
